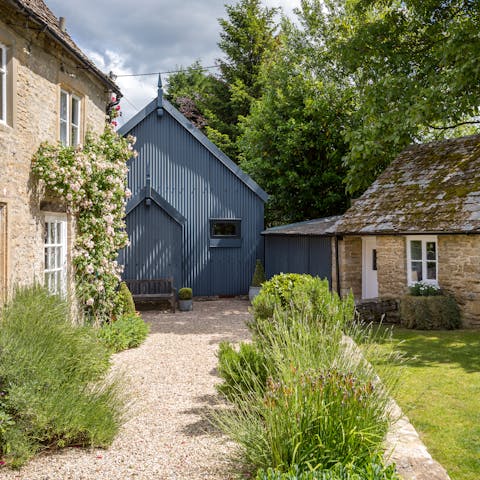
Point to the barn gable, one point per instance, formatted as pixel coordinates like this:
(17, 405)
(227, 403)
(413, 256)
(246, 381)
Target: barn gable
(193, 178)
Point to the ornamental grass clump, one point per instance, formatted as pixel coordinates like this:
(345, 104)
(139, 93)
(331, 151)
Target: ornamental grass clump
(53, 380)
(320, 404)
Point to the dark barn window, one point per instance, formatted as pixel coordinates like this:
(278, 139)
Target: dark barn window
(225, 228)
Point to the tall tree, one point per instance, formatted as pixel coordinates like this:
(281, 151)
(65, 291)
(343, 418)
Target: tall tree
(292, 141)
(414, 64)
(219, 101)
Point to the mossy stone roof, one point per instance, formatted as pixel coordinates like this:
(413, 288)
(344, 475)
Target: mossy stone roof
(38, 10)
(429, 188)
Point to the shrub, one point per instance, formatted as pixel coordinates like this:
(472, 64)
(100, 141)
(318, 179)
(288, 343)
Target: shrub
(429, 313)
(243, 370)
(128, 331)
(296, 293)
(258, 275)
(53, 380)
(185, 293)
(373, 470)
(422, 289)
(125, 300)
(323, 404)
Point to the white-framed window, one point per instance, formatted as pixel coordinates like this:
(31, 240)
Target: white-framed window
(56, 253)
(422, 259)
(70, 116)
(3, 83)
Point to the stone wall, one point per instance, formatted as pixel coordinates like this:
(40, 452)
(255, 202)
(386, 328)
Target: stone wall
(37, 69)
(459, 273)
(391, 266)
(350, 258)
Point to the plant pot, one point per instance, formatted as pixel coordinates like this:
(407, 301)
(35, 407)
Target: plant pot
(185, 305)
(253, 292)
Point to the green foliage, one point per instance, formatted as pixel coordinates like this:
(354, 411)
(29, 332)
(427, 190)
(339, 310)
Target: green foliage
(92, 181)
(294, 292)
(322, 404)
(128, 331)
(126, 305)
(374, 470)
(292, 141)
(436, 312)
(242, 371)
(185, 293)
(411, 65)
(421, 289)
(215, 103)
(258, 274)
(54, 390)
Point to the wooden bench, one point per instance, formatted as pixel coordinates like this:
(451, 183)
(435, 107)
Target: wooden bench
(153, 290)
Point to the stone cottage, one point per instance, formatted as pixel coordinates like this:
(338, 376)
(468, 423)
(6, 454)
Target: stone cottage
(419, 221)
(49, 91)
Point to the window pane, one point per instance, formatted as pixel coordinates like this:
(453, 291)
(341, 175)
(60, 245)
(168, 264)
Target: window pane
(431, 251)
(59, 283)
(52, 257)
(74, 135)
(225, 228)
(53, 229)
(2, 58)
(63, 132)
(431, 270)
(416, 271)
(58, 241)
(64, 106)
(75, 111)
(416, 249)
(374, 259)
(58, 257)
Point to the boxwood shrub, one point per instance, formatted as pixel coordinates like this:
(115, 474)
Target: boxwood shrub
(438, 312)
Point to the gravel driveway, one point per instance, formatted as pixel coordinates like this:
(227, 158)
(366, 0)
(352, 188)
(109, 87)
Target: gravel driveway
(172, 377)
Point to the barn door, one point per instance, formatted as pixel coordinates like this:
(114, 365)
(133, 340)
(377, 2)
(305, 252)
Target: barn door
(155, 249)
(369, 267)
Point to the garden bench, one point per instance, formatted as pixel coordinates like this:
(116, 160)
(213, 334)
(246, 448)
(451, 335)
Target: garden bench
(153, 290)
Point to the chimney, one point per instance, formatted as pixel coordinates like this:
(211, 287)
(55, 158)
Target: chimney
(62, 23)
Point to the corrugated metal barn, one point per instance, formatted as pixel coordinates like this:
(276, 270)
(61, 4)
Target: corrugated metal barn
(305, 247)
(194, 214)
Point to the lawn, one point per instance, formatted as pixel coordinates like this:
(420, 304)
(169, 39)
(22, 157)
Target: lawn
(440, 393)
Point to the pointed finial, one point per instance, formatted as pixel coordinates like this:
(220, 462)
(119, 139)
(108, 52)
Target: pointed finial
(160, 96)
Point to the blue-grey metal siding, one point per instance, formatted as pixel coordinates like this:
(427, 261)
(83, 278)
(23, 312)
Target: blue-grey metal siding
(155, 249)
(298, 254)
(200, 187)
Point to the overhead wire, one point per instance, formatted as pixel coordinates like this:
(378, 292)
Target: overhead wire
(165, 73)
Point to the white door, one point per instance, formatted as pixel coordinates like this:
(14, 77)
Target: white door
(369, 267)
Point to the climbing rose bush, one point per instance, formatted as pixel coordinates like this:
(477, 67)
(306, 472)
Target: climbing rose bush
(92, 181)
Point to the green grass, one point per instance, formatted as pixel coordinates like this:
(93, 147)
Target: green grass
(440, 393)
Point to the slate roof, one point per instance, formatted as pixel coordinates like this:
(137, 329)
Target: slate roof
(39, 12)
(317, 227)
(429, 188)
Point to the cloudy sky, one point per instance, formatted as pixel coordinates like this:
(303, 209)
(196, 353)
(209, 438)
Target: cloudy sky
(145, 36)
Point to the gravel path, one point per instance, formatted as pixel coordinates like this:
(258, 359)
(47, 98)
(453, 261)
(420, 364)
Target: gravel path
(172, 377)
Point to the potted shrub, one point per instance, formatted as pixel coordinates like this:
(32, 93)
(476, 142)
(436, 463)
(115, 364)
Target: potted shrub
(185, 299)
(426, 308)
(257, 280)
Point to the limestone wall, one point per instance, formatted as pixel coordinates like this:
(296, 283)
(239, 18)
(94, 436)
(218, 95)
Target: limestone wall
(391, 266)
(459, 273)
(37, 70)
(350, 258)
